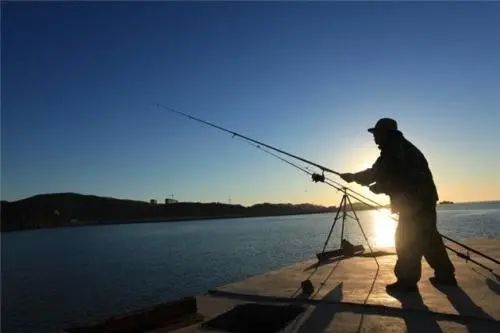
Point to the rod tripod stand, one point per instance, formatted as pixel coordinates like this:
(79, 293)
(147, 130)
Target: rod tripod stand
(346, 248)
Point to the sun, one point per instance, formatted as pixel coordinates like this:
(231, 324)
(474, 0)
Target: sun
(384, 228)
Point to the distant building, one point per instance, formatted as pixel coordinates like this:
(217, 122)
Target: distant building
(153, 202)
(170, 201)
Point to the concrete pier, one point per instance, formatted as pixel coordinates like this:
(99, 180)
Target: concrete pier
(349, 296)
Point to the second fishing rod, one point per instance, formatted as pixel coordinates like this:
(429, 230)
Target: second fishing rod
(371, 204)
(316, 177)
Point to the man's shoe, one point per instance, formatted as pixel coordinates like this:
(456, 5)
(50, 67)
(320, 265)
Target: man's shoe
(449, 281)
(398, 287)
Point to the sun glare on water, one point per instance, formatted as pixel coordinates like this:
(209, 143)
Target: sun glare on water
(384, 228)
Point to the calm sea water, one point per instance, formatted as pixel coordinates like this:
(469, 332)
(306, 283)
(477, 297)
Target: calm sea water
(53, 278)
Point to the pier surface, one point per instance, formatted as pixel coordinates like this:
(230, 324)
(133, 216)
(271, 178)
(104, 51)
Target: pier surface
(349, 296)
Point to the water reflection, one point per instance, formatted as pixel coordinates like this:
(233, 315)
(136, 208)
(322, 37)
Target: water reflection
(384, 228)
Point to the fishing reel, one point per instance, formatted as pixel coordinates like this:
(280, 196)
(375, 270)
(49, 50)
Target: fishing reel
(318, 178)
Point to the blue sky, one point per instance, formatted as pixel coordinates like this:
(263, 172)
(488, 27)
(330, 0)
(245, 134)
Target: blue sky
(80, 81)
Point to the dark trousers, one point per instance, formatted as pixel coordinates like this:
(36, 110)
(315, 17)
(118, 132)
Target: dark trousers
(417, 236)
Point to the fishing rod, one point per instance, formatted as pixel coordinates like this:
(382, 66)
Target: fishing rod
(355, 195)
(235, 134)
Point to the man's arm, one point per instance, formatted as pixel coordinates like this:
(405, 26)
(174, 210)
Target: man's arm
(365, 177)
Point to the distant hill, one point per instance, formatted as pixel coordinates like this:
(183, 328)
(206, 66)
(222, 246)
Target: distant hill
(66, 209)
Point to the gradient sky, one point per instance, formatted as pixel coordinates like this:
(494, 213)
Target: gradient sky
(80, 80)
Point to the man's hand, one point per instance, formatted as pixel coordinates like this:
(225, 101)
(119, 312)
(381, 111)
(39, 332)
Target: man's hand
(318, 178)
(376, 189)
(348, 177)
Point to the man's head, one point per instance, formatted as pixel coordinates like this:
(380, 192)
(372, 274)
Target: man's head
(383, 128)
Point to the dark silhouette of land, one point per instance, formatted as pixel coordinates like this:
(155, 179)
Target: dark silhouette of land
(69, 209)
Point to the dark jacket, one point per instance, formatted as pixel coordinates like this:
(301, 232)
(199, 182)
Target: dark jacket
(402, 172)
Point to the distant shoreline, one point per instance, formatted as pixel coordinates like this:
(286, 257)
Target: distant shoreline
(161, 220)
(76, 210)
(73, 209)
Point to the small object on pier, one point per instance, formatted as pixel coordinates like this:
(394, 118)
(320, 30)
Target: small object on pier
(350, 249)
(307, 287)
(347, 250)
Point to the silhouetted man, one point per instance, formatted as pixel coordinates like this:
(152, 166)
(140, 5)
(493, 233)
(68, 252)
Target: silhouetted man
(402, 172)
